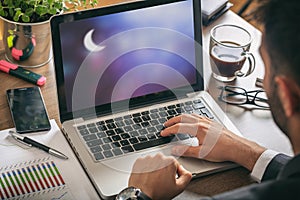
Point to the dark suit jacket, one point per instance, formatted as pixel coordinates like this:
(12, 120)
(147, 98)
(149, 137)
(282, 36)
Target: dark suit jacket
(281, 180)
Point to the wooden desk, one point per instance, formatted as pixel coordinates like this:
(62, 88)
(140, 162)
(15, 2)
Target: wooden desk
(252, 124)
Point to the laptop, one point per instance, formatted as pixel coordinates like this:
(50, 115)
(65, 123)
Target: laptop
(121, 72)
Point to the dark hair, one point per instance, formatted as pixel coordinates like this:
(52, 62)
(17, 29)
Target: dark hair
(281, 21)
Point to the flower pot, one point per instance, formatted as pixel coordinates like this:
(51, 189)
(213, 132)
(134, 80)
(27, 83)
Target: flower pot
(26, 44)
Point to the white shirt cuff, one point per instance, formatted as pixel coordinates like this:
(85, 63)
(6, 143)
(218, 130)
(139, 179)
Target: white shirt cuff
(262, 163)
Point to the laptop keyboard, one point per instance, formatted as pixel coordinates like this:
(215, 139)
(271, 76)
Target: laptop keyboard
(119, 136)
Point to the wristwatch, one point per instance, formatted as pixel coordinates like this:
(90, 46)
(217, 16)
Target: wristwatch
(132, 193)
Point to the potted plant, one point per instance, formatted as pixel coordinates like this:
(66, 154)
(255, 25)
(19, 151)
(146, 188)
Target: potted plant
(25, 28)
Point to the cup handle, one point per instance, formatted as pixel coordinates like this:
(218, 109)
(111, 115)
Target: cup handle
(252, 63)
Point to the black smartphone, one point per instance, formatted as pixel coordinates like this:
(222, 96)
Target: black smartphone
(28, 110)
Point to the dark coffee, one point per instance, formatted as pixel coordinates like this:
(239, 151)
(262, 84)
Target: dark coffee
(225, 61)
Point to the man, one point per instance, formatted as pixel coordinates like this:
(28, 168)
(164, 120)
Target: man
(161, 177)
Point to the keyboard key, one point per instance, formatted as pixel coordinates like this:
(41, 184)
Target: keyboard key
(207, 113)
(183, 136)
(125, 135)
(127, 116)
(94, 143)
(198, 105)
(84, 132)
(146, 118)
(90, 137)
(145, 112)
(137, 120)
(171, 107)
(93, 130)
(188, 103)
(134, 133)
(142, 138)
(128, 121)
(162, 120)
(145, 124)
(108, 154)
(142, 131)
(151, 130)
(152, 143)
(81, 127)
(160, 127)
(107, 140)
(120, 123)
(133, 140)
(96, 149)
(101, 135)
(136, 115)
(127, 149)
(136, 126)
(154, 116)
(106, 147)
(99, 156)
(91, 125)
(128, 128)
(109, 121)
(118, 119)
(117, 152)
(151, 136)
(111, 126)
(116, 138)
(102, 127)
(110, 133)
(154, 122)
(119, 130)
(100, 123)
(154, 110)
(172, 112)
(124, 142)
(163, 114)
(115, 145)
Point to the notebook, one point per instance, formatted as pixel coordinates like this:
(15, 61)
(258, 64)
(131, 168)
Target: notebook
(121, 72)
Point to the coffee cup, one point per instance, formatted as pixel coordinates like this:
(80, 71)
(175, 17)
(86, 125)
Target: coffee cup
(229, 52)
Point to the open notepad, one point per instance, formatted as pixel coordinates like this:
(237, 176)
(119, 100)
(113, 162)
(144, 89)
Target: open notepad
(29, 173)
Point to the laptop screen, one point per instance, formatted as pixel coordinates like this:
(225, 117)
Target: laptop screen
(142, 52)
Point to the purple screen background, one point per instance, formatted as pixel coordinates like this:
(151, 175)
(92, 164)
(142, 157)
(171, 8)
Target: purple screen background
(145, 64)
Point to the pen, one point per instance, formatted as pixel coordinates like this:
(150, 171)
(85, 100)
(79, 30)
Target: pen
(38, 145)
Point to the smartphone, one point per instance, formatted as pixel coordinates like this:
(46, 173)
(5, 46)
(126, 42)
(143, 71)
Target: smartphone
(28, 109)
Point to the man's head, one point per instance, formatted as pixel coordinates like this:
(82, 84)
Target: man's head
(281, 55)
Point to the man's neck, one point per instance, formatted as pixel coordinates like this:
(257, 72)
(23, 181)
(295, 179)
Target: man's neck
(294, 133)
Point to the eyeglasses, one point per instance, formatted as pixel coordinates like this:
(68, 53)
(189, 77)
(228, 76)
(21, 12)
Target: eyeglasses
(239, 96)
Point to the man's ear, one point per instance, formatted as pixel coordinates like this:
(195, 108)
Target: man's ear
(289, 94)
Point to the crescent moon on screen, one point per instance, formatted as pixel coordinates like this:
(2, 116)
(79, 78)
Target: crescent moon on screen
(89, 44)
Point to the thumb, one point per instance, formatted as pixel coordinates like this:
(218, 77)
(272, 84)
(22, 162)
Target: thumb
(184, 177)
(186, 151)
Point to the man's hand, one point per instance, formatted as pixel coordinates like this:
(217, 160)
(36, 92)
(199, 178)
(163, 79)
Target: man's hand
(159, 177)
(216, 143)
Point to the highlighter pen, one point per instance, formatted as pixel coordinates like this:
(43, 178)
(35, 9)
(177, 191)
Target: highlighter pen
(22, 73)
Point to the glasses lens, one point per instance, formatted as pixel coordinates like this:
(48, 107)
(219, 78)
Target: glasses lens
(234, 95)
(261, 99)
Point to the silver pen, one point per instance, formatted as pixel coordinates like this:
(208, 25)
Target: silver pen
(30, 142)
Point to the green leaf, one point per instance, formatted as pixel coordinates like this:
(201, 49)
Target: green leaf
(41, 10)
(25, 18)
(17, 15)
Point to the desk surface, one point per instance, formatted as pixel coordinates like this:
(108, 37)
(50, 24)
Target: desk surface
(252, 124)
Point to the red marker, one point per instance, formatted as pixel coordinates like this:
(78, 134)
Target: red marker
(22, 73)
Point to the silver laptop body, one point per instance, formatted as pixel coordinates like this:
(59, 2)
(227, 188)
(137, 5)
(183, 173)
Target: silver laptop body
(115, 68)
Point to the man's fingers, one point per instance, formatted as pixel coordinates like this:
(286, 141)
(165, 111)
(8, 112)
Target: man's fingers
(184, 177)
(180, 128)
(184, 118)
